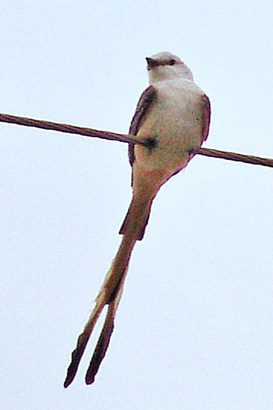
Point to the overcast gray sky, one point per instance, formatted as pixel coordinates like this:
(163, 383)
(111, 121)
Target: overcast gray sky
(194, 327)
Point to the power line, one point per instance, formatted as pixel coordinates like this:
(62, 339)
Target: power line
(112, 136)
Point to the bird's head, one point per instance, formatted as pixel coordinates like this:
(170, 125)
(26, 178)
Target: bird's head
(166, 66)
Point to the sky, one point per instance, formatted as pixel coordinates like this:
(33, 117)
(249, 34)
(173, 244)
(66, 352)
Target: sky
(194, 328)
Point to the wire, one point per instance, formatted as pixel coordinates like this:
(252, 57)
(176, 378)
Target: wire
(107, 135)
(71, 129)
(233, 156)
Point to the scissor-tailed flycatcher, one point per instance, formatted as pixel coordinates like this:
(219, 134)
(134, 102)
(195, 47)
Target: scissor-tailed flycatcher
(172, 119)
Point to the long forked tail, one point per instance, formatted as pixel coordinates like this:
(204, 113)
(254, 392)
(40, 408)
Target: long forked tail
(105, 337)
(110, 294)
(137, 216)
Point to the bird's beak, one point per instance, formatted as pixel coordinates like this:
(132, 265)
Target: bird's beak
(151, 63)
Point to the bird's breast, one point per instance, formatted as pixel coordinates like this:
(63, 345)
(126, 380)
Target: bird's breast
(175, 123)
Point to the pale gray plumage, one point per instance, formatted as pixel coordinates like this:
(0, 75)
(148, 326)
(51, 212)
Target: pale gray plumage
(171, 119)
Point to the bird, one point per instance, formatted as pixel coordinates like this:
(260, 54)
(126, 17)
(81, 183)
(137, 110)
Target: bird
(171, 120)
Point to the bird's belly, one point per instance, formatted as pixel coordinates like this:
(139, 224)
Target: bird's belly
(174, 128)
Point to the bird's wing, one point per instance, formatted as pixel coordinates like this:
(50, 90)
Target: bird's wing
(206, 117)
(144, 103)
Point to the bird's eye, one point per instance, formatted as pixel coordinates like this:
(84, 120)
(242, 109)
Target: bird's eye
(172, 62)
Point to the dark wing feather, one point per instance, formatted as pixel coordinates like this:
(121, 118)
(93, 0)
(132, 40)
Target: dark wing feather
(143, 104)
(206, 119)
